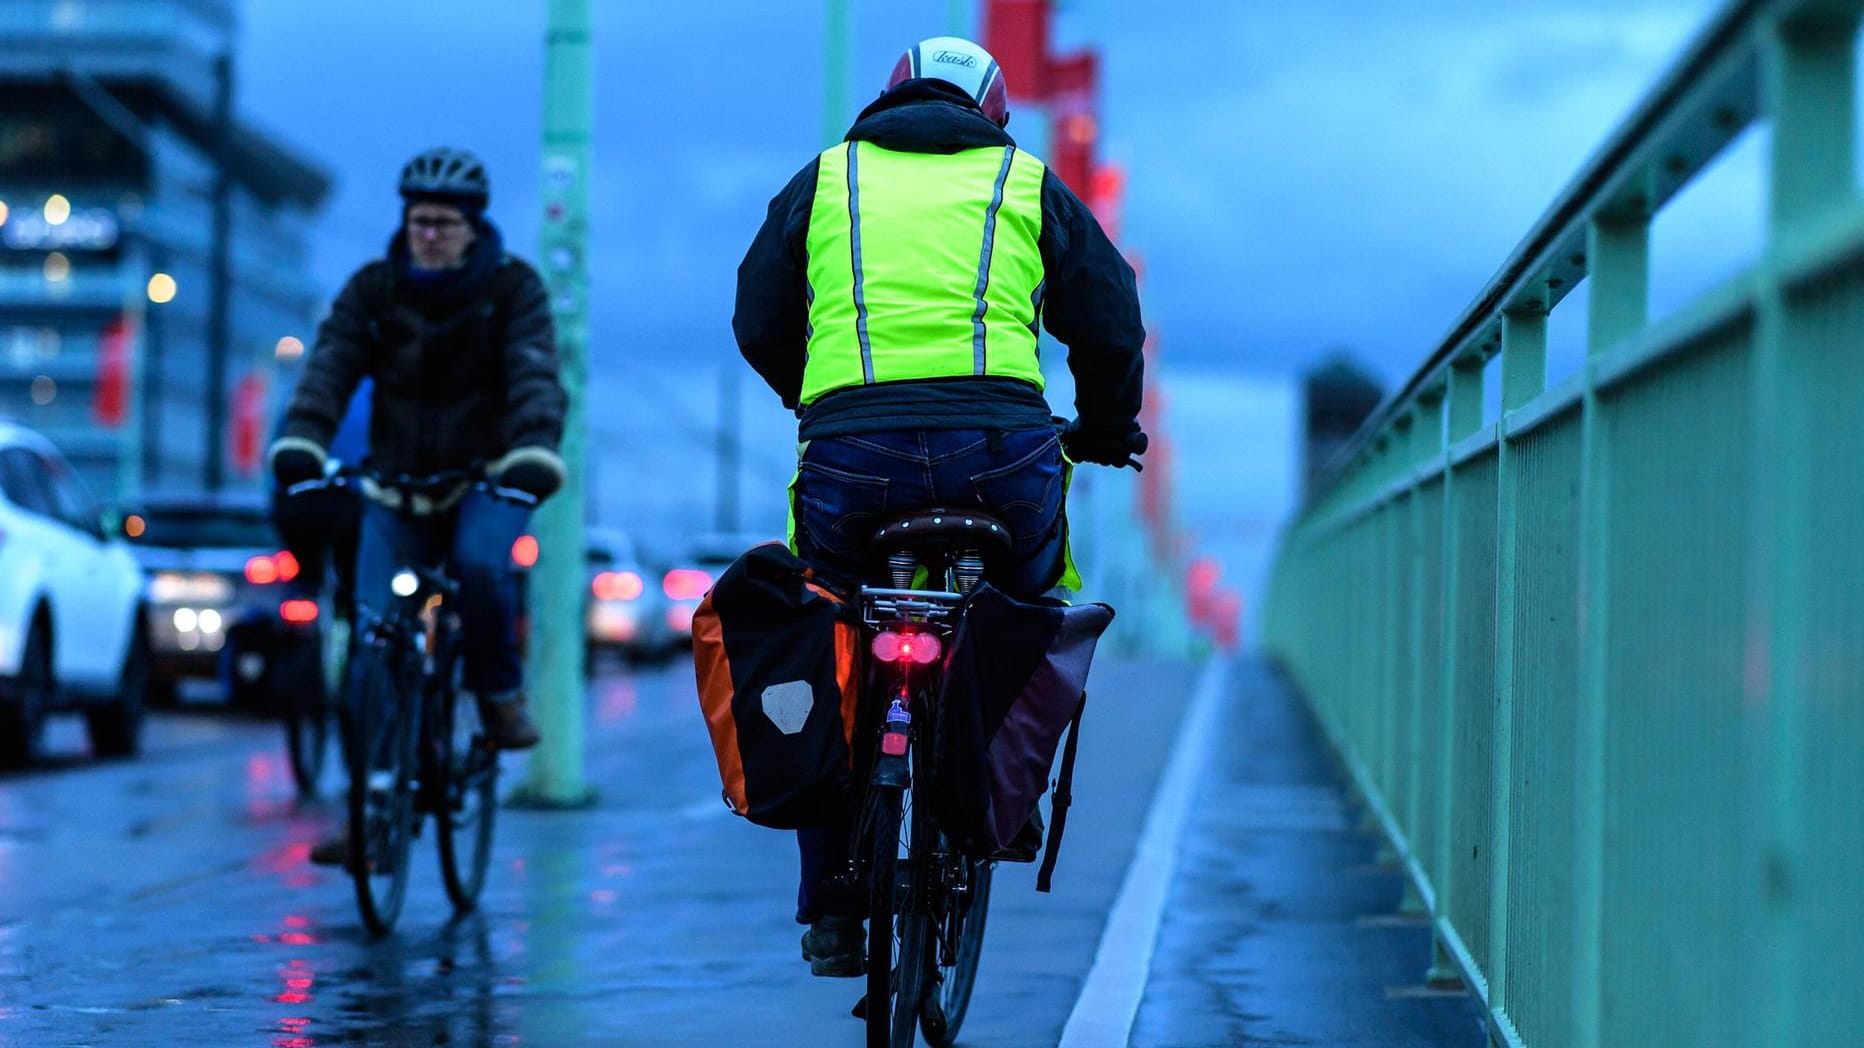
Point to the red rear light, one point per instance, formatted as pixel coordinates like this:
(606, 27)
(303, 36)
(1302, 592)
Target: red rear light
(298, 612)
(686, 583)
(922, 648)
(286, 564)
(618, 585)
(524, 551)
(261, 571)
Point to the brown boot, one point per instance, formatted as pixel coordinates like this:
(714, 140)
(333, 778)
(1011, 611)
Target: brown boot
(508, 722)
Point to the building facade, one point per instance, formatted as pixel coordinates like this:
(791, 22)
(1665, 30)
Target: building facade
(154, 250)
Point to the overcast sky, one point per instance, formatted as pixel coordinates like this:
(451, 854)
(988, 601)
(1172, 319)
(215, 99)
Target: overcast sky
(1300, 176)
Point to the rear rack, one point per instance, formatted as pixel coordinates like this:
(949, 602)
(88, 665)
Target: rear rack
(878, 605)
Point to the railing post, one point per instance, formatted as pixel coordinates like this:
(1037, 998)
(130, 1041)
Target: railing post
(1524, 377)
(1465, 399)
(1426, 444)
(1809, 62)
(1809, 70)
(1464, 407)
(1524, 354)
(1618, 257)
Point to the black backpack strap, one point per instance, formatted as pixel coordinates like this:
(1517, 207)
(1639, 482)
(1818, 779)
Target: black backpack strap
(1064, 796)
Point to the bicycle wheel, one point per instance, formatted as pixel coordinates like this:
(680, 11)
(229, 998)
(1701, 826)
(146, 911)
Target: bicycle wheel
(307, 719)
(962, 932)
(468, 797)
(915, 925)
(883, 836)
(381, 795)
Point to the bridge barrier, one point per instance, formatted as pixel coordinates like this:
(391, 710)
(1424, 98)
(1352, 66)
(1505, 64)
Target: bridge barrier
(1597, 664)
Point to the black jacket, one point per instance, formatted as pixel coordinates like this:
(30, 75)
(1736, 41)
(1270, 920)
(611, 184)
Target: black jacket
(1091, 302)
(465, 368)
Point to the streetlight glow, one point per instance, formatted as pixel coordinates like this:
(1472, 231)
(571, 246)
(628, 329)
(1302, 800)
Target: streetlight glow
(289, 348)
(3, 212)
(57, 209)
(161, 289)
(57, 267)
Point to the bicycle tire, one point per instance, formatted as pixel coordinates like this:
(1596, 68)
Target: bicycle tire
(381, 794)
(918, 946)
(307, 737)
(943, 1015)
(883, 837)
(468, 797)
(307, 726)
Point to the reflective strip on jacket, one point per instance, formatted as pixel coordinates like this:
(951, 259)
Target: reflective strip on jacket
(923, 266)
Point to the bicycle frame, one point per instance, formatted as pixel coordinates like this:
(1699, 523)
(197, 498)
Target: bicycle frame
(413, 652)
(922, 916)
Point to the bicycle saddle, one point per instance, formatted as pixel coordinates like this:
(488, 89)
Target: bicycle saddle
(940, 528)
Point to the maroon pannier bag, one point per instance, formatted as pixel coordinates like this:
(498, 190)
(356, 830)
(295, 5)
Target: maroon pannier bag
(1016, 679)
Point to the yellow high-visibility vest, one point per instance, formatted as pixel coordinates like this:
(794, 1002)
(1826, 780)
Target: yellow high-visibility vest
(923, 266)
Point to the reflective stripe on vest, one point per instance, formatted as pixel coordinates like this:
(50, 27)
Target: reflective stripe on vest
(922, 266)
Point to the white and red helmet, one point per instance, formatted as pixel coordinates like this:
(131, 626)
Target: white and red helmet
(962, 64)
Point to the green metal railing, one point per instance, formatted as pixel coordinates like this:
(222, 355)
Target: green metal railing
(1597, 665)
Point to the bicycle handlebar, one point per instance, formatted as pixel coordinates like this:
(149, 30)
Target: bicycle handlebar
(428, 486)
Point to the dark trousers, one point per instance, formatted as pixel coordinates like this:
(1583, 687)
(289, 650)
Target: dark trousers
(846, 488)
(474, 540)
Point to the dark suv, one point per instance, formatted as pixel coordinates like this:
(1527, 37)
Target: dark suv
(221, 600)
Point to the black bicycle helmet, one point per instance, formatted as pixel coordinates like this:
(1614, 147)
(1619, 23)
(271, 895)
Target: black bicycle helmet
(446, 174)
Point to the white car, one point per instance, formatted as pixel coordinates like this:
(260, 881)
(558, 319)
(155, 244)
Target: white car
(71, 632)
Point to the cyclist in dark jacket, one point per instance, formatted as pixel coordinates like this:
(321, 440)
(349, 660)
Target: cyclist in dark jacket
(893, 299)
(458, 337)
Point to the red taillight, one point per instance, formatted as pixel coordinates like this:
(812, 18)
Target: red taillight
(922, 648)
(618, 585)
(286, 564)
(298, 612)
(261, 571)
(686, 583)
(524, 551)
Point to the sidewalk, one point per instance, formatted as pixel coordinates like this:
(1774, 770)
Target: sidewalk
(1281, 928)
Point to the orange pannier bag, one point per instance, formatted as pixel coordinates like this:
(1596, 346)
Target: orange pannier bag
(774, 652)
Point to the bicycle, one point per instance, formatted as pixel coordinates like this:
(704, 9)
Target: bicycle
(927, 902)
(417, 744)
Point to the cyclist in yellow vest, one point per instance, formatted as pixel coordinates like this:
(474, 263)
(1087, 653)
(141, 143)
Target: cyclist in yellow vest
(893, 299)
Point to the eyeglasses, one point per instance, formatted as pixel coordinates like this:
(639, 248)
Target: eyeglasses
(424, 223)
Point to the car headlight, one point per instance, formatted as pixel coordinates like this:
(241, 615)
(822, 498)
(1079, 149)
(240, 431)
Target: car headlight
(201, 587)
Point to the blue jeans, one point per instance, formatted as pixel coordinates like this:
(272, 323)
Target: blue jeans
(846, 487)
(474, 541)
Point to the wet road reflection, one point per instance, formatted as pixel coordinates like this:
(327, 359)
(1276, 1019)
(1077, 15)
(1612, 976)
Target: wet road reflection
(171, 898)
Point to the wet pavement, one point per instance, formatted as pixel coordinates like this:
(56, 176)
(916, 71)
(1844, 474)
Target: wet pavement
(169, 899)
(1283, 927)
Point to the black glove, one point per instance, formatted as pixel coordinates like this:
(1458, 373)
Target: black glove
(295, 460)
(1082, 444)
(537, 472)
